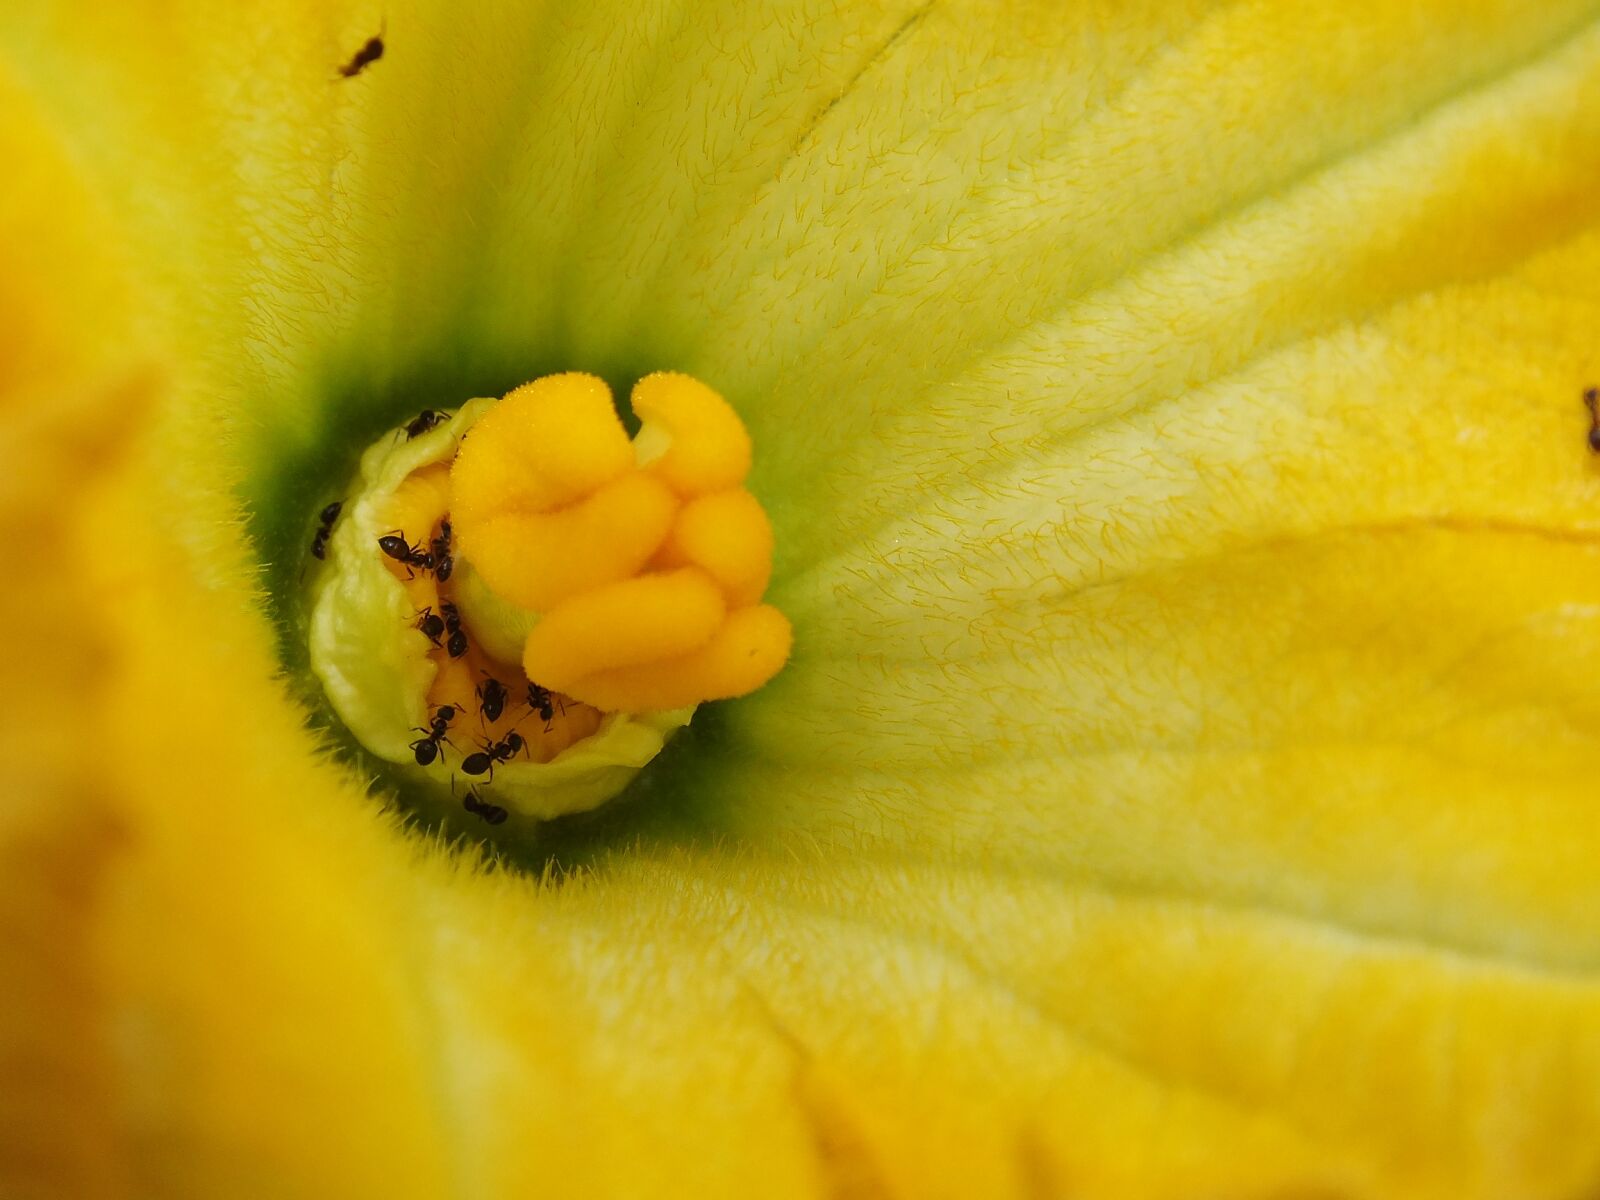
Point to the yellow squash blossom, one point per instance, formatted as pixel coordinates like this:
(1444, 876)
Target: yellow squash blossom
(1187, 778)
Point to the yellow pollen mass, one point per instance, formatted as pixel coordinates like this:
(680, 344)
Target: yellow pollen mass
(752, 643)
(547, 444)
(640, 620)
(646, 560)
(537, 559)
(706, 446)
(728, 536)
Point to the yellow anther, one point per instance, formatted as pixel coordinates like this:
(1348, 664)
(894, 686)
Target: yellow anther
(640, 620)
(538, 559)
(707, 448)
(644, 561)
(547, 444)
(748, 649)
(728, 536)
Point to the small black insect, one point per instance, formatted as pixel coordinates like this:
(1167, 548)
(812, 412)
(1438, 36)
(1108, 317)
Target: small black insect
(422, 422)
(431, 625)
(319, 544)
(541, 701)
(491, 695)
(396, 547)
(456, 646)
(492, 814)
(492, 752)
(443, 561)
(1591, 401)
(426, 748)
(363, 58)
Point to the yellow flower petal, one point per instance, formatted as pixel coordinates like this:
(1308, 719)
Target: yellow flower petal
(1185, 781)
(68, 392)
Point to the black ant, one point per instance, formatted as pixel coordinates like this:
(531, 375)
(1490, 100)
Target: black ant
(492, 814)
(491, 695)
(422, 422)
(443, 561)
(492, 752)
(541, 701)
(426, 748)
(319, 544)
(415, 558)
(1591, 401)
(457, 645)
(431, 625)
(363, 58)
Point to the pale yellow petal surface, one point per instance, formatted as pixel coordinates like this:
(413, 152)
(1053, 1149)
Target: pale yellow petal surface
(1169, 417)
